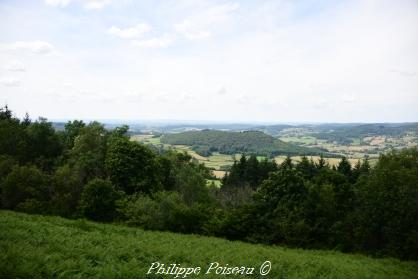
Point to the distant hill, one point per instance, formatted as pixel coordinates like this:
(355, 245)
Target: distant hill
(272, 129)
(345, 134)
(250, 142)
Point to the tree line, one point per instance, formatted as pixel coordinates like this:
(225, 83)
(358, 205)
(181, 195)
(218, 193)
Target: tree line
(86, 171)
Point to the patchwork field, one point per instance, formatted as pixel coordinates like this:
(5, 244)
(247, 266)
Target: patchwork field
(219, 163)
(51, 247)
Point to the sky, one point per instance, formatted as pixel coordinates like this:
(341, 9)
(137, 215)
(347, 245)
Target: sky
(228, 61)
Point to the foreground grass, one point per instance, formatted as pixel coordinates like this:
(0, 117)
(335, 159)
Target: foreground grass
(34, 246)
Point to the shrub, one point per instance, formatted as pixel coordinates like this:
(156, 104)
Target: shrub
(98, 200)
(25, 188)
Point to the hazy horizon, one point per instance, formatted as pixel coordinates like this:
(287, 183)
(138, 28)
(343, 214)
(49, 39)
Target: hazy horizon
(214, 122)
(350, 61)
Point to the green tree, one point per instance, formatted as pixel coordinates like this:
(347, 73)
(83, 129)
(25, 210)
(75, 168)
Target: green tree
(344, 167)
(66, 191)
(306, 168)
(72, 130)
(44, 144)
(321, 208)
(287, 163)
(279, 208)
(387, 206)
(25, 188)
(88, 153)
(321, 162)
(252, 172)
(131, 166)
(191, 184)
(98, 200)
(13, 137)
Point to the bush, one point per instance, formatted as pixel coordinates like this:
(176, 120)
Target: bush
(98, 200)
(164, 211)
(140, 210)
(66, 191)
(25, 189)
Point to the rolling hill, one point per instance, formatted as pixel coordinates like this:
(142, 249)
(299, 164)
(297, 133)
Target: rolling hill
(345, 134)
(250, 142)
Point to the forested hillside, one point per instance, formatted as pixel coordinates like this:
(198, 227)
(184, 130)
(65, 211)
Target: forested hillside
(251, 142)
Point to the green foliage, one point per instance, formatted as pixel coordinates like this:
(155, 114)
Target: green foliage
(165, 211)
(249, 172)
(88, 152)
(66, 191)
(344, 167)
(43, 144)
(132, 167)
(72, 130)
(50, 247)
(25, 189)
(27, 142)
(98, 200)
(88, 171)
(13, 137)
(6, 164)
(251, 142)
(387, 206)
(346, 134)
(307, 168)
(191, 184)
(280, 201)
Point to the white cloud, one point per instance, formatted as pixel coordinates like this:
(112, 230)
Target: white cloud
(15, 66)
(319, 103)
(199, 25)
(96, 5)
(131, 32)
(404, 73)
(38, 47)
(10, 81)
(191, 31)
(349, 99)
(87, 4)
(243, 99)
(57, 3)
(158, 42)
(280, 58)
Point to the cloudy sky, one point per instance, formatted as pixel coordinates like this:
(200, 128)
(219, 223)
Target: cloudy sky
(264, 61)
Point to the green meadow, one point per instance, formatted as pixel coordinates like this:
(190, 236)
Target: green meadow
(33, 246)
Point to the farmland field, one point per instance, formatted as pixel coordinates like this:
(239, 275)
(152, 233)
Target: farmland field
(220, 162)
(52, 247)
(301, 139)
(216, 160)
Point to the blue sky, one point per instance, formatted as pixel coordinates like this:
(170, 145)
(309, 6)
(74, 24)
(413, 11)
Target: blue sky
(239, 61)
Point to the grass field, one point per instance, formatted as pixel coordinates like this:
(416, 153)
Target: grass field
(301, 139)
(147, 139)
(51, 247)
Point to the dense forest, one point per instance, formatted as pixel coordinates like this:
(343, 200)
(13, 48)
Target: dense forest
(251, 142)
(86, 171)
